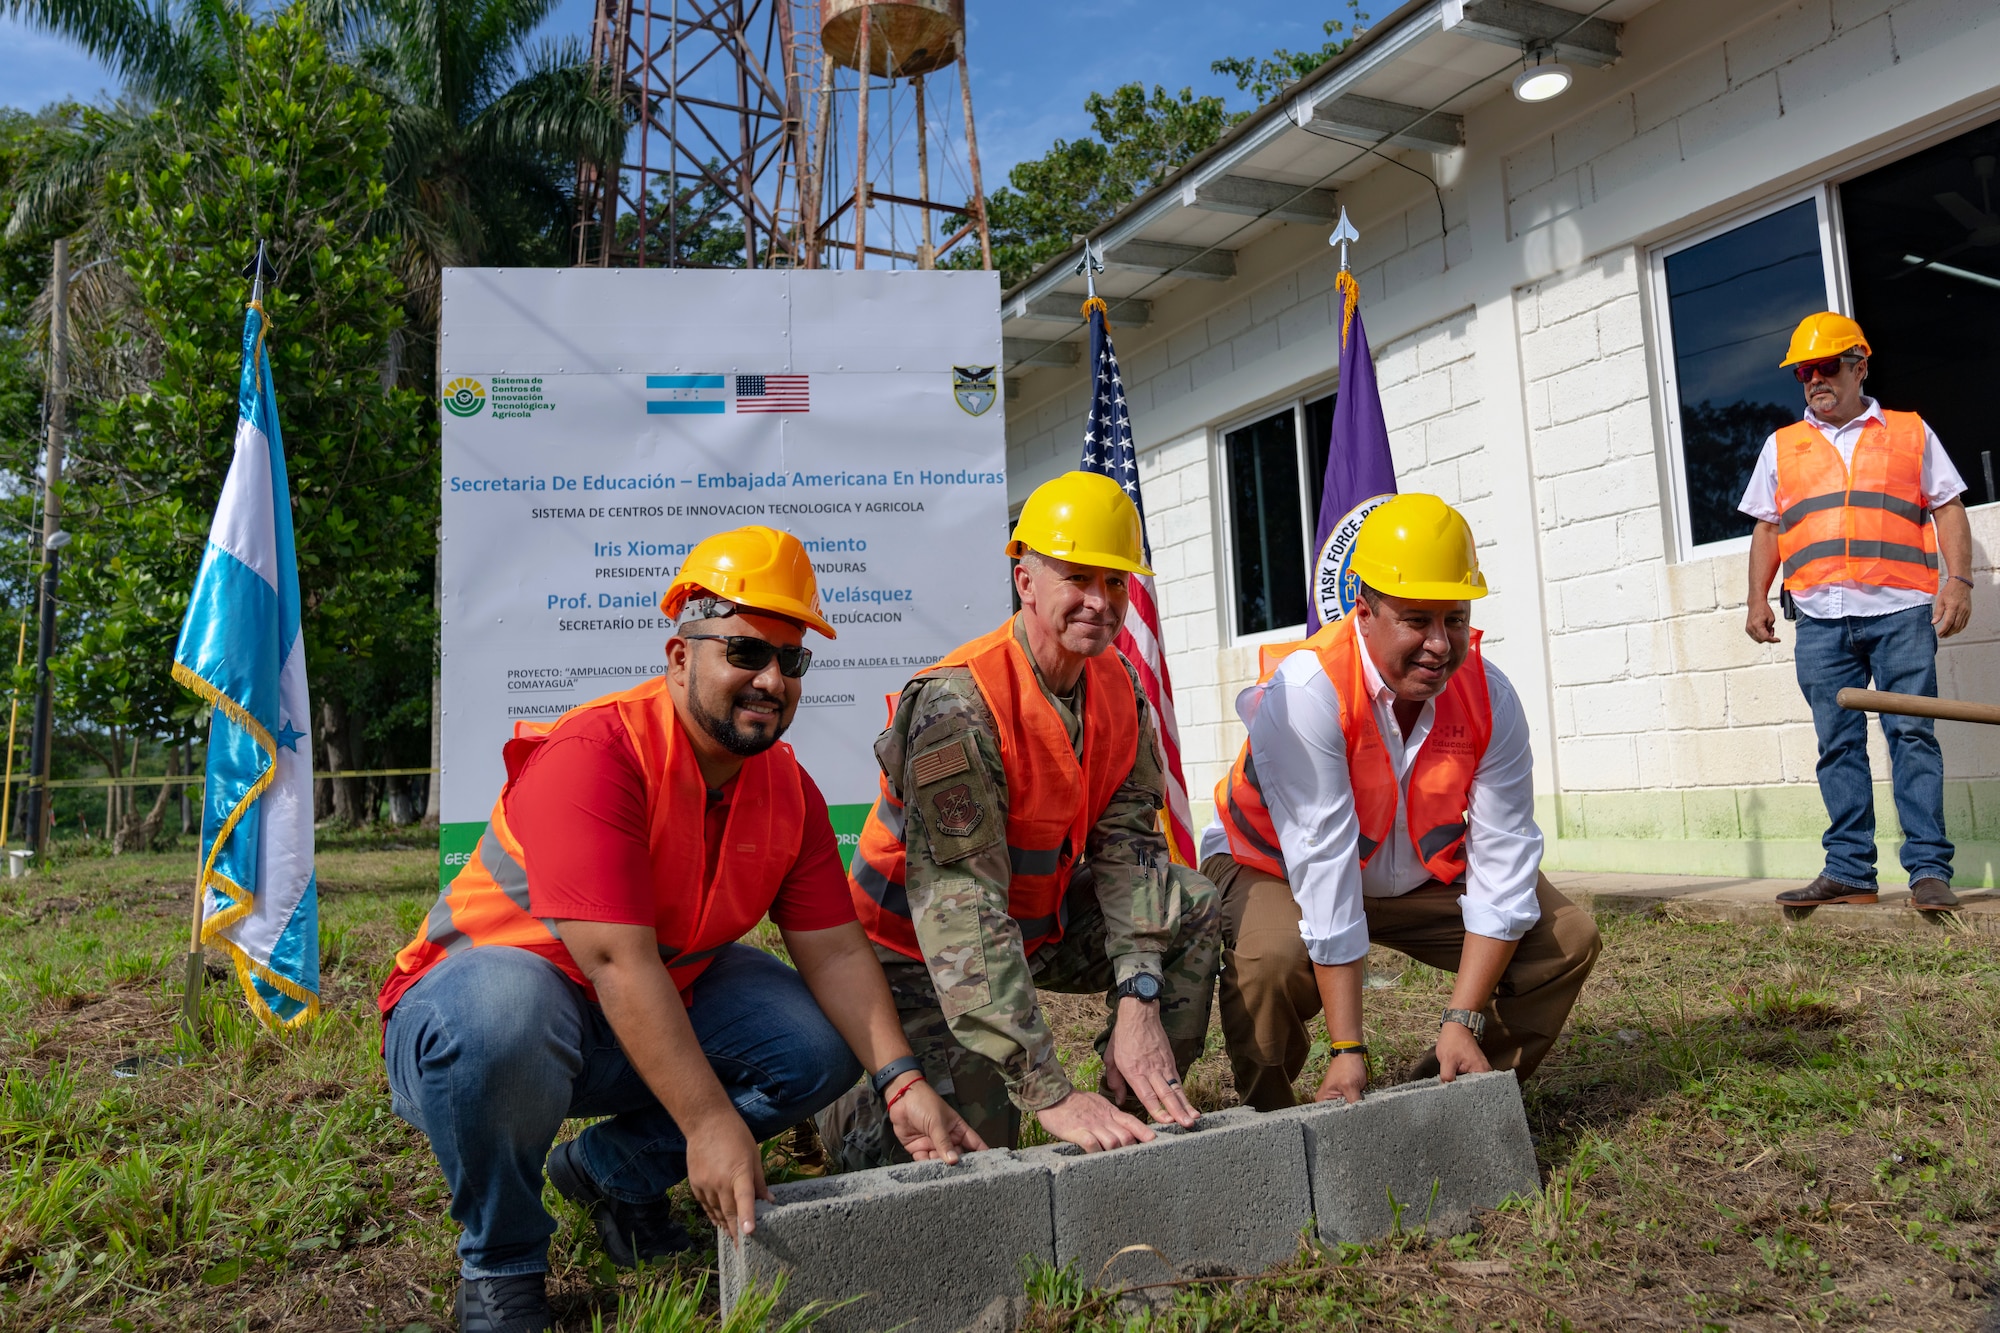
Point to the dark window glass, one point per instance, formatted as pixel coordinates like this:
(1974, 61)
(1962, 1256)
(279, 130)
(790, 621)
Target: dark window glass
(1733, 302)
(1262, 462)
(1923, 249)
(1319, 434)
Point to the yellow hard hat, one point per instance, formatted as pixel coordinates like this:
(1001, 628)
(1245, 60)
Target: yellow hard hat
(1418, 546)
(1085, 518)
(754, 566)
(1823, 335)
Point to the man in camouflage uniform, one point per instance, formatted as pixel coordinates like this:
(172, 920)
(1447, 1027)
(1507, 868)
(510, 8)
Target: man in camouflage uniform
(1140, 931)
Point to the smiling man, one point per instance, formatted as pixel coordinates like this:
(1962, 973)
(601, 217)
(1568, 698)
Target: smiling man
(585, 962)
(1016, 848)
(1386, 795)
(1856, 504)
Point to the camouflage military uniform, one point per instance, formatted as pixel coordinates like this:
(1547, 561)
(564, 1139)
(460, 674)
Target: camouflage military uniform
(971, 1011)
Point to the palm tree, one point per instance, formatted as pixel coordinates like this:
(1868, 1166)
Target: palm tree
(489, 126)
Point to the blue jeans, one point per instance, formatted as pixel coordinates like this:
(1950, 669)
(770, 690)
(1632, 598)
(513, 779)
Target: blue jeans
(1899, 651)
(495, 1048)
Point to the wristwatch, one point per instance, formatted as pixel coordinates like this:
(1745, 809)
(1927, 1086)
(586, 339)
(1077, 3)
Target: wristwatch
(1140, 986)
(1466, 1018)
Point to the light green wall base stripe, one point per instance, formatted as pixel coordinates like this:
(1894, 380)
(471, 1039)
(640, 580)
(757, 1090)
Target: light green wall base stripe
(456, 842)
(1758, 832)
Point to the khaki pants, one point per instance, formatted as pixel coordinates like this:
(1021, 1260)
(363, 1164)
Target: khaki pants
(855, 1130)
(1269, 994)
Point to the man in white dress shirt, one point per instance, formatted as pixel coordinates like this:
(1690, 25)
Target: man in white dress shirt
(1385, 795)
(1857, 504)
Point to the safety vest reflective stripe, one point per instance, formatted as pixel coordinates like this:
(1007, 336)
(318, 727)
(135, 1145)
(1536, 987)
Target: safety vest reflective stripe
(1861, 521)
(1895, 504)
(1053, 800)
(487, 902)
(1440, 780)
(1857, 550)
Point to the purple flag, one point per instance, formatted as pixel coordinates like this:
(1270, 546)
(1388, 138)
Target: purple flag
(1359, 472)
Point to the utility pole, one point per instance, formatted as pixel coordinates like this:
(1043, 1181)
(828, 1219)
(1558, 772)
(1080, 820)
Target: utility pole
(53, 540)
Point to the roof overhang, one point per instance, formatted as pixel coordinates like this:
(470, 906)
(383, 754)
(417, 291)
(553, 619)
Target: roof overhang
(1406, 83)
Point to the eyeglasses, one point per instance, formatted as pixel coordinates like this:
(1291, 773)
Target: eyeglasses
(1806, 371)
(752, 654)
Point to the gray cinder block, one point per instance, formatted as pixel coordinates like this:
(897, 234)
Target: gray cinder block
(1228, 1196)
(926, 1246)
(1467, 1139)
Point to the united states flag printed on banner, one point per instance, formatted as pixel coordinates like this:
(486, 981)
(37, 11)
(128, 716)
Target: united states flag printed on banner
(1107, 449)
(773, 393)
(241, 650)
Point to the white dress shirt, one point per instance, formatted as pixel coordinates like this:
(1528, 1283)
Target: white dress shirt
(1301, 758)
(1829, 601)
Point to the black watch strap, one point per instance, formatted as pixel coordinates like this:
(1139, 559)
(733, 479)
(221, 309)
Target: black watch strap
(895, 1069)
(1141, 986)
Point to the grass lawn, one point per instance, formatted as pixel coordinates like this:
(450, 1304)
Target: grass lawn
(1745, 1128)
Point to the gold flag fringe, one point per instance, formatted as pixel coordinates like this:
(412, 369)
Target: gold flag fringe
(1350, 292)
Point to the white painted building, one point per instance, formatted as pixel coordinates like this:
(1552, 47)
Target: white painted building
(1577, 308)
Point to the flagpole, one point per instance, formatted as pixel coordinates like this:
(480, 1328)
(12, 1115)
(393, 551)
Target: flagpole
(196, 971)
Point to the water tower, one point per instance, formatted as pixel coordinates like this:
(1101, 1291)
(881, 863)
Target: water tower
(832, 133)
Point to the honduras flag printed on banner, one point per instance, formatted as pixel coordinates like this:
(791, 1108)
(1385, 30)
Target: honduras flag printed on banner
(241, 650)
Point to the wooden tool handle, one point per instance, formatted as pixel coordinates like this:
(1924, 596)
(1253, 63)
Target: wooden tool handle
(1918, 705)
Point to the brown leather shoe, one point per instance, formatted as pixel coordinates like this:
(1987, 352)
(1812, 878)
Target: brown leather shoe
(1932, 894)
(1823, 891)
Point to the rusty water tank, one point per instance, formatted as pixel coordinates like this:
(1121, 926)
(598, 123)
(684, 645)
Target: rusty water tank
(906, 38)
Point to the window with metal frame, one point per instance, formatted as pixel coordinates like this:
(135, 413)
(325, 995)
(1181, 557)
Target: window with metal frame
(1730, 298)
(1273, 470)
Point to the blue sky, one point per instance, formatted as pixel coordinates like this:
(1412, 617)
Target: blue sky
(1033, 61)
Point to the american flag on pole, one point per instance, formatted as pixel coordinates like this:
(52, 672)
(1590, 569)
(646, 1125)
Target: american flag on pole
(1107, 449)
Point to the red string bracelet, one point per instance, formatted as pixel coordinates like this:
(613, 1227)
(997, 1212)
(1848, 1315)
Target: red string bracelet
(897, 1095)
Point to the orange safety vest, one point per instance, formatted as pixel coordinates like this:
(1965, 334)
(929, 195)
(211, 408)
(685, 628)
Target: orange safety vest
(487, 902)
(1440, 779)
(1864, 523)
(1053, 799)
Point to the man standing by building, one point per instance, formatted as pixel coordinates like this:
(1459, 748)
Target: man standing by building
(1386, 795)
(1016, 848)
(585, 962)
(1855, 504)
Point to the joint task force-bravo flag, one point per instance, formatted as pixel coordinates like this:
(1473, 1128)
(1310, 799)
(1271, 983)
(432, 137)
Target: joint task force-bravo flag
(242, 651)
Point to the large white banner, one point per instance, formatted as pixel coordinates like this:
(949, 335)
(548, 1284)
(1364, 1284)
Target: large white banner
(600, 422)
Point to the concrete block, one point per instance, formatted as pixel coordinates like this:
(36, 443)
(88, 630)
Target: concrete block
(1228, 1196)
(926, 1246)
(1437, 1151)
(1742, 108)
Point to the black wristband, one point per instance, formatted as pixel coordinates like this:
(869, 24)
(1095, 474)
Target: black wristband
(895, 1069)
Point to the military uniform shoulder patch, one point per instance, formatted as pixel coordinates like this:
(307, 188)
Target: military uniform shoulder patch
(953, 797)
(956, 810)
(939, 764)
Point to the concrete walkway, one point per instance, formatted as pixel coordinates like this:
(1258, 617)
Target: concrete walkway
(1700, 898)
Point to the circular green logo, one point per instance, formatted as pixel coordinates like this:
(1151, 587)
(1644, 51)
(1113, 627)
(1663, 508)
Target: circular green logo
(464, 397)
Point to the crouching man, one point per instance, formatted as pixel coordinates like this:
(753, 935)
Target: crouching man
(1015, 848)
(585, 962)
(1386, 793)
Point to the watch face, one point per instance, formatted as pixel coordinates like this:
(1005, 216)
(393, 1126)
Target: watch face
(1146, 986)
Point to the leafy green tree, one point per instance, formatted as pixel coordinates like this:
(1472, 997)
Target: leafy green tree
(294, 152)
(1266, 78)
(1050, 201)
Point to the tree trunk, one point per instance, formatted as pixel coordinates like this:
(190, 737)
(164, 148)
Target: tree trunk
(402, 802)
(187, 788)
(141, 835)
(340, 748)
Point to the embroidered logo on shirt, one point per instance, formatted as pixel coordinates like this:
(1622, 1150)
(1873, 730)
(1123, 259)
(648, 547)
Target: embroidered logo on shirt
(939, 764)
(957, 814)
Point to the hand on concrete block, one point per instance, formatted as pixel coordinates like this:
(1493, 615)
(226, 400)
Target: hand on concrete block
(1141, 1059)
(1092, 1123)
(928, 1128)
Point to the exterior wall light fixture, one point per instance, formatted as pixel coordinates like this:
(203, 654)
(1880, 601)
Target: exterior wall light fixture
(1545, 78)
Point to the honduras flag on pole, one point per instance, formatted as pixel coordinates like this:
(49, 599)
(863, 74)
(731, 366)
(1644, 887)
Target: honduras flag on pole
(241, 650)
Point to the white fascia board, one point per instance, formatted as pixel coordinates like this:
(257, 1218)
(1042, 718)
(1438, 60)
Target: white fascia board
(1344, 77)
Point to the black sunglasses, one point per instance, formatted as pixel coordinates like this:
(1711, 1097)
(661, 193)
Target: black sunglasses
(751, 654)
(1827, 367)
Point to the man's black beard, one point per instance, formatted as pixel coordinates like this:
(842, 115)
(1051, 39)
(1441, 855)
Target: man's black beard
(725, 732)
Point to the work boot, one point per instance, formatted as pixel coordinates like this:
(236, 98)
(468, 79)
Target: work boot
(1931, 894)
(1823, 891)
(504, 1305)
(631, 1233)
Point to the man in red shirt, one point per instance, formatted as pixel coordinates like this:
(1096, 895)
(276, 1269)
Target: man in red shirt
(585, 961)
